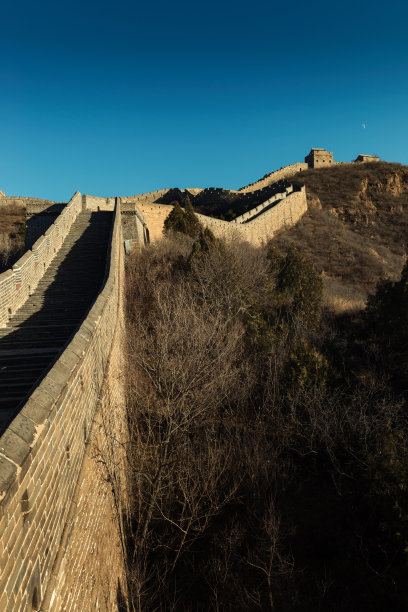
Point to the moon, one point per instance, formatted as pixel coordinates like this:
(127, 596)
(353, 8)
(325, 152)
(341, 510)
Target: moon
(363, 125)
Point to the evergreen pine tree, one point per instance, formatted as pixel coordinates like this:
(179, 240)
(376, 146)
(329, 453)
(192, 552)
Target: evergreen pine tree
(183, 221)
(193, 225)
(175, 221)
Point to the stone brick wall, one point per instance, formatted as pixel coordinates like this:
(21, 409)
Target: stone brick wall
(97, 203)
(18, 283)
(255, 211)
(155, 215)
(33, 204)
(255, 226)
(38, 219)
(60, 545)
(151, 196)
(319, 158)
(273, 177)
(134, 226)
(285, 213)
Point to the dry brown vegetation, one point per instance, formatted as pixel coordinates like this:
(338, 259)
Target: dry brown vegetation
(267, 460)
(356, 228)
(12, 232)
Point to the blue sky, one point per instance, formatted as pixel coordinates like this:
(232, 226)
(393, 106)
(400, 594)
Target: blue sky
(126, 97)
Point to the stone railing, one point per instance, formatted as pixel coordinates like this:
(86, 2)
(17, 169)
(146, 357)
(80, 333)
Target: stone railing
(275, 217)
(42, 515)
(273, 177)
(17, 284)
(263, 222)
(258, 209)
(98, 203)
(37, 204)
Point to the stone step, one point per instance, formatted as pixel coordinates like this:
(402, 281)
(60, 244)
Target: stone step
(41, 328)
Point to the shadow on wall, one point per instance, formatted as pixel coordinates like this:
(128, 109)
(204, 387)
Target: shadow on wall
(28, 352)
(223, 203)
(37, 223)
(120, 599)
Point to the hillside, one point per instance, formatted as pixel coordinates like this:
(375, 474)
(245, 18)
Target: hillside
(355, 230)
(12, 231)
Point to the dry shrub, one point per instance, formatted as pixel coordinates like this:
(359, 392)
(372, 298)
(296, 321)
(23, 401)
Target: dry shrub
(10, 250)
(12, 229)
(185, 364)
(340, 297)
(252, 489)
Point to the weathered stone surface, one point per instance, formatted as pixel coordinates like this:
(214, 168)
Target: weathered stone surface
(59, 498)
(8, 472)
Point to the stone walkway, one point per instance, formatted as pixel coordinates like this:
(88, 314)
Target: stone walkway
(41, 328)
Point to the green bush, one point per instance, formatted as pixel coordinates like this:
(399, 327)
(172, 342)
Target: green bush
(301, 287)
(183, 221)
(387, 310)
(306, 368)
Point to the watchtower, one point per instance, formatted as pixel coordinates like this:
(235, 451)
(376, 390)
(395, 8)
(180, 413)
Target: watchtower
(367, 158)
(319, 158)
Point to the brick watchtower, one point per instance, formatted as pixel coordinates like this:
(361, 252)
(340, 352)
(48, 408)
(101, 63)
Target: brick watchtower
(319, 158)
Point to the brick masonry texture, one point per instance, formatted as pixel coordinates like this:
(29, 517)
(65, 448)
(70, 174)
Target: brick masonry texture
(17, 284)
(256, 226)
(269, 179)
(59, 538)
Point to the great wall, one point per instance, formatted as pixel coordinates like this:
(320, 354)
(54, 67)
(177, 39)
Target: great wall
(62, 406)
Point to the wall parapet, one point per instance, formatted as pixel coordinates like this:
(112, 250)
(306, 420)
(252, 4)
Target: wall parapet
(258, 209)
(258, 225)
(263, 222)
(17, 283)
(27, 202)
(273, 177)
(42, 451)
(98, 203)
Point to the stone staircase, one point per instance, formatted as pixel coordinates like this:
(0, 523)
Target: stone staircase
(41, 328)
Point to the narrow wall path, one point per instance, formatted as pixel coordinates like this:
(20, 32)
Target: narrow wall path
(40, 329)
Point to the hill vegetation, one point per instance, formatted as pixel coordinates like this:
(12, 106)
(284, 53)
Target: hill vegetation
(268, 451)
(12, 233)
(356, 228)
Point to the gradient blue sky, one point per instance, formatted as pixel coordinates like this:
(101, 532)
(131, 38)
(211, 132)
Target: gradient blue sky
(126, 97)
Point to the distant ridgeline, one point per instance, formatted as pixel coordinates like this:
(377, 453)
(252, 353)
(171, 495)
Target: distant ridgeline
(62, 400)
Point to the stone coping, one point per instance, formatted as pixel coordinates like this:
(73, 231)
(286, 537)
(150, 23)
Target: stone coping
(15, 288)
(28, 430)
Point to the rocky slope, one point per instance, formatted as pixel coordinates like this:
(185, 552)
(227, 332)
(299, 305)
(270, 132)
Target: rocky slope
(356, 229)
